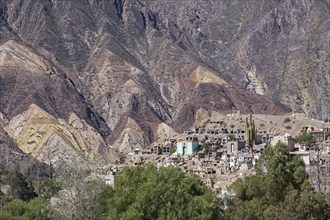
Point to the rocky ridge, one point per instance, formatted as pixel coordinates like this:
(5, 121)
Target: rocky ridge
(51, 140)
(12, 158)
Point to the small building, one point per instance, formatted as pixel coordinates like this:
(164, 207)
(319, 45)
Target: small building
(233, 147)
(208, 182)
(240, 137)
(209, 170)
(223, 131)
(188, 146)
(320, 135)
(225, 140)
(110, 178)
(166, 149)
(137, 151)
(286, 139)
(157, 149)
(188, 132)
(200, 155)
(301, 147)
(172, 140)
(264, 137)
(215, 145)
(304, 155)
(218, 154)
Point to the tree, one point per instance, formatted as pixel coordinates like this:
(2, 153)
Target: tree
(305, 138)
(35, 209)
(279, 190)
(13, 210)
(102, 201)
(38, 209)
(165, 193)
(78, 199)
(21, 188)
(48, 188)
(207, 148)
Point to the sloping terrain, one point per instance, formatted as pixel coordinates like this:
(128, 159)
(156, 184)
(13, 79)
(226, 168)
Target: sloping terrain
(27, 78)
(54, 140)
(122, 63)
(12, 158)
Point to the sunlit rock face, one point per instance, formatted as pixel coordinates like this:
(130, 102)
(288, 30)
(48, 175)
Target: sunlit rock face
(142, 63)
(53, 141)
(13, 158)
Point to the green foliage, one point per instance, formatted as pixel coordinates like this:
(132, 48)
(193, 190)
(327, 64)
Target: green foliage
(167, 193)
(36, 209)
(91, 193)
(85, 201)
(48, 188)
(13, 210)
(305, 205)
(5, 199)
(279, 190)
(305, 138)
(172, 148)
(207, 148)
(286, 120)
(102, 200)
(22, 202)
(231, 137)
(21, 188)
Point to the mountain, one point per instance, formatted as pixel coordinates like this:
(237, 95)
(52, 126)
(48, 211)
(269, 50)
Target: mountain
(51, 140)
(12, 158)
(124, 67)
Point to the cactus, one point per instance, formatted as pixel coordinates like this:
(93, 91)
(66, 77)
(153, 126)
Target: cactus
(250, 132)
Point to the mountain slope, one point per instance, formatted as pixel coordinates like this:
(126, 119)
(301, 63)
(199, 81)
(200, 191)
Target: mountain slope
(27, 78)
(159, 61)
(51, 140)
(12, 158)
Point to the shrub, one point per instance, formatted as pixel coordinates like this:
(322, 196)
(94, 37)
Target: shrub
(287, 120)
(231, 137)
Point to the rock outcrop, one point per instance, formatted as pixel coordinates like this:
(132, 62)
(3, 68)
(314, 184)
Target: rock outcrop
(12, 158)
(28, 78)
(53, 140)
